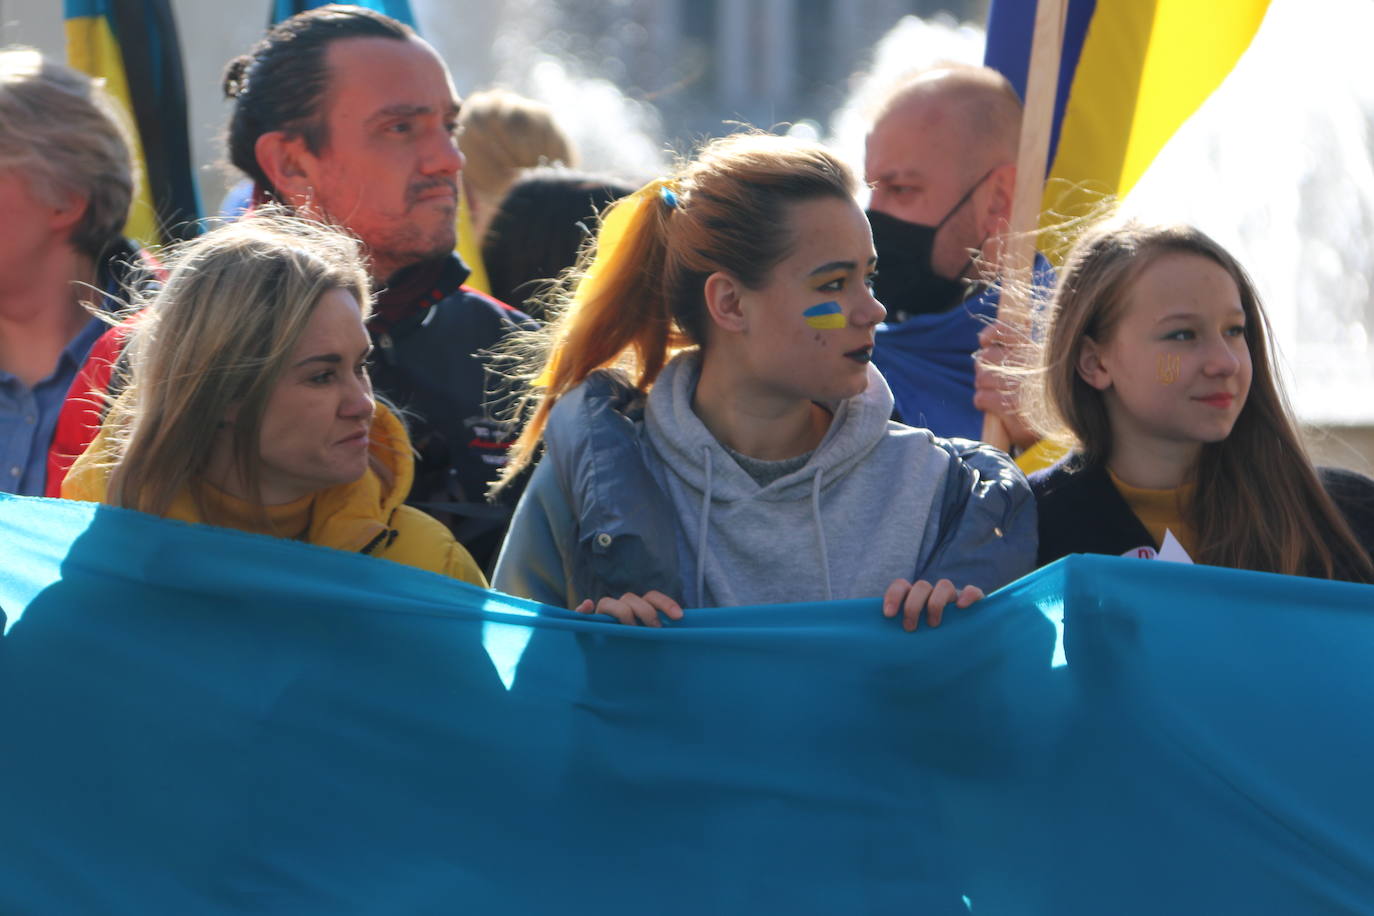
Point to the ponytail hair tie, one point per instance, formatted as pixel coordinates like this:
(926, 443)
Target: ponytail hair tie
(668, 195)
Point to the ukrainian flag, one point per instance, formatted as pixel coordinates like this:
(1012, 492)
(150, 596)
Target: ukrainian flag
(133, 46)
(1131, 72)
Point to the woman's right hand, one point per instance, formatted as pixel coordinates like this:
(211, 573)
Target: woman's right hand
(634, 609)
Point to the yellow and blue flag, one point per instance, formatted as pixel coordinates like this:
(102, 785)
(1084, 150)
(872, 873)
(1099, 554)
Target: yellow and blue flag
(133, 46)
(1131, 73)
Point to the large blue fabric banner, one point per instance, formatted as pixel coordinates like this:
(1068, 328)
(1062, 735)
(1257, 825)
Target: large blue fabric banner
(200, 721)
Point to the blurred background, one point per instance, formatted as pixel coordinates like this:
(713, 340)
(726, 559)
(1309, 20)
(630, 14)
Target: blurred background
(1278, 164)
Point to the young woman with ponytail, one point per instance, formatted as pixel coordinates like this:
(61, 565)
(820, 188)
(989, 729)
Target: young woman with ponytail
(1156, 369)
(713, 432)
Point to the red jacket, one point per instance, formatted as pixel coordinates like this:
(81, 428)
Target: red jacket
(84, 408)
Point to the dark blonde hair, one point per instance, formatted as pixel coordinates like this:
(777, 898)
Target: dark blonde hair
(1258, 502)
(503, 133)
(218, 335)
(634, 306)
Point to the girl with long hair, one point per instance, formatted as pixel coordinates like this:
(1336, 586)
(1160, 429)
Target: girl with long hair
(713, 432)
(1156, 367)
(247, 402)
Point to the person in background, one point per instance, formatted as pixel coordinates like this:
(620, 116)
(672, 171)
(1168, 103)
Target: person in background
(66, 183)
(744, 453)
(544, 220)
(1156, 369)
(247, 403)
(501, 134)
(941, 161)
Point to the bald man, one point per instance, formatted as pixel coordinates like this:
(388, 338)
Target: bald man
(941, 161)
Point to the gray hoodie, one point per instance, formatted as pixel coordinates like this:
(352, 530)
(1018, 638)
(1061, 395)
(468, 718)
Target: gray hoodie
(633, 496)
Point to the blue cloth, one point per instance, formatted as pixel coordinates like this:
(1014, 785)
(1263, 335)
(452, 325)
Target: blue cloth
(928, 361)
(28, 416)
(203, 721)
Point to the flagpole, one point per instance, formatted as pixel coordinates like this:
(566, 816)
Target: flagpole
(1037, 120)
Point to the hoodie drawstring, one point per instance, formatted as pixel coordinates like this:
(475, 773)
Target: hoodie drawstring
(820, 530)
(705, 524)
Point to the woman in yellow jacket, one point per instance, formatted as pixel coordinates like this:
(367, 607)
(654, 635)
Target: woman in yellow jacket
(246, 403)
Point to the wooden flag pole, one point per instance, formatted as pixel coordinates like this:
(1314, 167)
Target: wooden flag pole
(1032, 161)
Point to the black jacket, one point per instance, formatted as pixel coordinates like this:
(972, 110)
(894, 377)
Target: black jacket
(1080, 510)
(427, 363)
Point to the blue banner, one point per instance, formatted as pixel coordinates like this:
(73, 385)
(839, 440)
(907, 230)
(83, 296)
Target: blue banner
(202, 721)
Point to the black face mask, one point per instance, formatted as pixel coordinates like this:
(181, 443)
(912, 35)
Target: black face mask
(907, 283)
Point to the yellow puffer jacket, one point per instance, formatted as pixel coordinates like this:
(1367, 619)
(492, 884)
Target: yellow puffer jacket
(366, 516)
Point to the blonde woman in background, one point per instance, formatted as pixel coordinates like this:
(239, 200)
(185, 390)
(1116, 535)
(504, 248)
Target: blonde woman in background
(502, 134)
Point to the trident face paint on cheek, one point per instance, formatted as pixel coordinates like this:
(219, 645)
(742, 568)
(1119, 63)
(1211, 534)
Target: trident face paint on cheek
(1168, 369)
(826, 316)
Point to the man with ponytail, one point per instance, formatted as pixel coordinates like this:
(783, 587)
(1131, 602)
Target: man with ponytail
(713, 431)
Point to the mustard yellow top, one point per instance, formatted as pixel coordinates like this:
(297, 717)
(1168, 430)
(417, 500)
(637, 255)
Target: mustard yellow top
(1160, 510)
(365, 516)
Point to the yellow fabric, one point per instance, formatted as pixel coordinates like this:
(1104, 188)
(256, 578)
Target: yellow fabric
(1160, 511)
(470, 250)
(92, 49)
(350, 517)
(1146, 67)
(1041, 455)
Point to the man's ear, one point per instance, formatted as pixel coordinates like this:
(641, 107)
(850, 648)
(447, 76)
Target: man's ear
(64, 216)
(1090, 366)
(722, 295)
(997, 204)
(289, 165)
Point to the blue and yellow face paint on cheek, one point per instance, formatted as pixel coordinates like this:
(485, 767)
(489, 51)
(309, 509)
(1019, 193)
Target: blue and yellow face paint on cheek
(827, 316)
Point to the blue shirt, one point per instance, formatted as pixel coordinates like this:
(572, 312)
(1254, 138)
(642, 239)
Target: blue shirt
(28, 416)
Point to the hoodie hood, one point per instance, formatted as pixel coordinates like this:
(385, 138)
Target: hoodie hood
(859, 424)
(810, 534)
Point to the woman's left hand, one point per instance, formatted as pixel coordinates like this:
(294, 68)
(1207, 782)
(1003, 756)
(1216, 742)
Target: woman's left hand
(910, 599)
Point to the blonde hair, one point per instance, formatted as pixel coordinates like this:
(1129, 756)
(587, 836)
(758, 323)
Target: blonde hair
(503, 133)
(217, 336)
(68, 137)
(1258, 502)
(637, 295)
